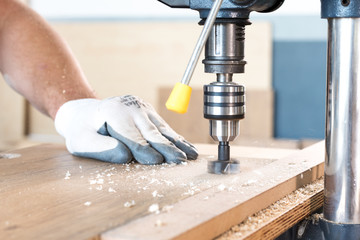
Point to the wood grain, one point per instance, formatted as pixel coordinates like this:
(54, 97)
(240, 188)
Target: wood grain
(44, 193)
(289, 218)
(213, 211)
(12, 115)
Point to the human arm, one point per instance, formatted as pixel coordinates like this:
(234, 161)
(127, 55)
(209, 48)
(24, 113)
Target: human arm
(38, 64)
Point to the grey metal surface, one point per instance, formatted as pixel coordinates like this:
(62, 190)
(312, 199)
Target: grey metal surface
(224, 130)
(224, 101)
(340, 9)
(224, 77)
(230, 8)
(224, 167)
(189, 71)
(335, 231)
(224, 50)
(342, 160)
(176, 3)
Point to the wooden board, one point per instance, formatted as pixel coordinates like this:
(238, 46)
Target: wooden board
(46, 193)
(212, 212)
(12, 115)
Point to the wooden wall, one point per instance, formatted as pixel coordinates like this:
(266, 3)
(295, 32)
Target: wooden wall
(140, 57)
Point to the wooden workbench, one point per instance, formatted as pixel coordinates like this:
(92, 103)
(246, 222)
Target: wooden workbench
(46, 193)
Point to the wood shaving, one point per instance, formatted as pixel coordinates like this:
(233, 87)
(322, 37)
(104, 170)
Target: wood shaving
(9, 155)
(167, 208)
(154, 208)
(100, 181)
(259, 219)
(159, 223)
(92, 181)
(67, 175)
(221, 187)
(129, 204)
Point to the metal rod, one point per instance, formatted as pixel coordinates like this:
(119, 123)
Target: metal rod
(224, 151)
(342, 160)
(224, 77)
(189, 71)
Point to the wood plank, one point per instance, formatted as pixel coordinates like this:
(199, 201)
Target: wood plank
(46, 193)
(213, 211)
(12, 115)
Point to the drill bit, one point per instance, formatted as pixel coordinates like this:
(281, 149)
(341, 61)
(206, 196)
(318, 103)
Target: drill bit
(224, 165)
(223, 151)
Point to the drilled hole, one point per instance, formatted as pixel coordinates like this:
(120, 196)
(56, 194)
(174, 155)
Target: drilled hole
(345, 2)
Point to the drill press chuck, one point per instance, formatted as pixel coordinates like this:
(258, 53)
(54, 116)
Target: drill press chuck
(224, 106)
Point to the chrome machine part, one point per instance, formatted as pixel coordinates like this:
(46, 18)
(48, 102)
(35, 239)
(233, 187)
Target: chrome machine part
(224, 50)
(224, 106)
(342, 161)
(224, 100)
(224, 130)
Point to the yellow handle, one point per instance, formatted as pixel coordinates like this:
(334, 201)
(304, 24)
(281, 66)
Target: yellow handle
(179, 98)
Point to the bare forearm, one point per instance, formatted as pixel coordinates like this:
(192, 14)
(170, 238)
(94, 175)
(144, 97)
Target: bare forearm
(36, 62)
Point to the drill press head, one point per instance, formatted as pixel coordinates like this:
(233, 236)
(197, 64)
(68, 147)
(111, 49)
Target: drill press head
(224, 100)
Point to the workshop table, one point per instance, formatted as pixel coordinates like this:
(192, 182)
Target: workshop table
(46, 193)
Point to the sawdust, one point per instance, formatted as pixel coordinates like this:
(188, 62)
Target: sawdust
(167, 208)
(129, 204)
(159, 223)
(256, 221)
(154, 208)
(133, 184)
(67, 175)
(158, 180)
(9, 155)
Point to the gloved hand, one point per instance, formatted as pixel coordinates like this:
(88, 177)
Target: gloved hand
(119, 129)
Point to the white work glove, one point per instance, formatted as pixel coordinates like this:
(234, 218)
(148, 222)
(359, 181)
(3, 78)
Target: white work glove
(119, 129)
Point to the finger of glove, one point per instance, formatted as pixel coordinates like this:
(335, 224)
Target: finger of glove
(189, 149)
(140, 149)
(99, 147)
(149, 131)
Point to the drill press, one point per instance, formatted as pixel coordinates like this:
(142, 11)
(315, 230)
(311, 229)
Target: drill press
(224, 100)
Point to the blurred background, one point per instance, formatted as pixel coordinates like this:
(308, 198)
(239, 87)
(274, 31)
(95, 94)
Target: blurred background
(142, 47)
